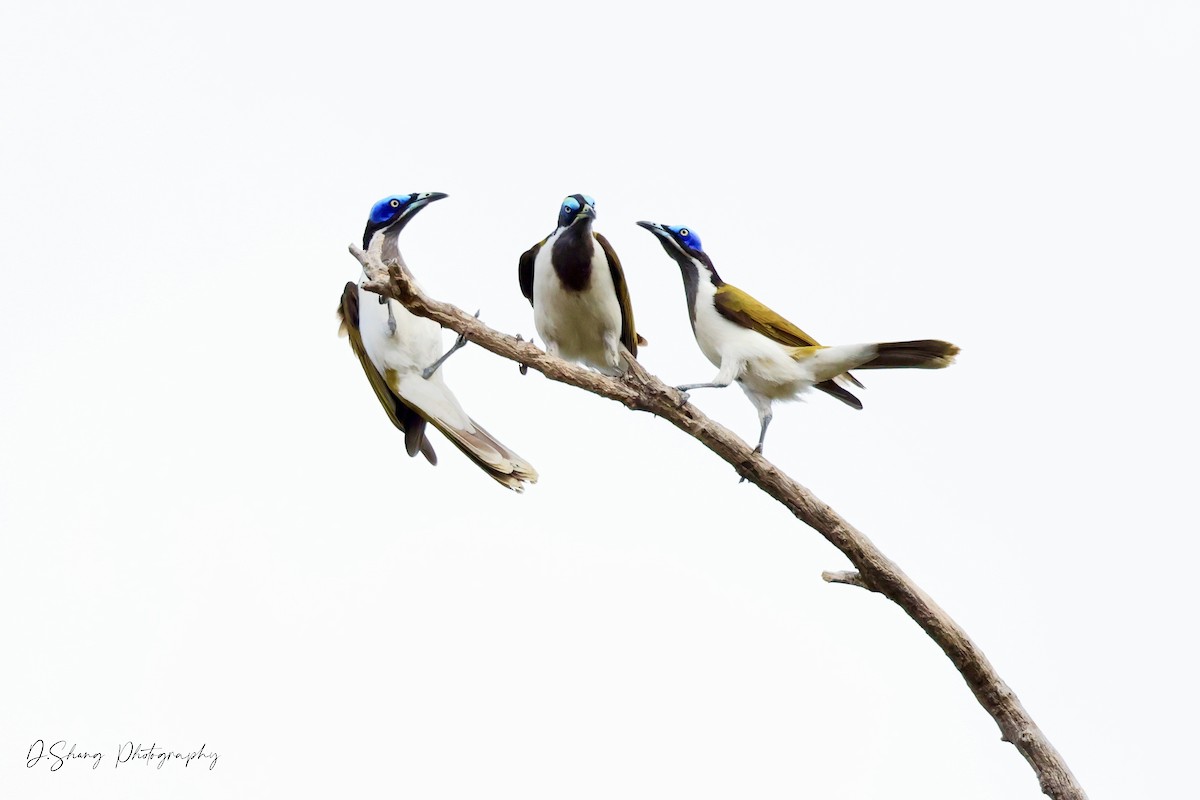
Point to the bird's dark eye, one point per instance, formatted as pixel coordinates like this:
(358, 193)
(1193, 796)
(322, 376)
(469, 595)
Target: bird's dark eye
(395, 204)
(567, 209)
(683, 232)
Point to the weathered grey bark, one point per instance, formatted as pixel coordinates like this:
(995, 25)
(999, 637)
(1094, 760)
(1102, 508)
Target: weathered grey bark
(641, 391)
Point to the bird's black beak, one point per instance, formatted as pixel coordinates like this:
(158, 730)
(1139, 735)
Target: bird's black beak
(668, 241)
(410, 211)
(588, 211)
(422, 200)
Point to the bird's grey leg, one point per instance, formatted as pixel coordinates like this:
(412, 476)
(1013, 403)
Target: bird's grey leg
(459, 343)
(729, 371)
(762, 434)
(763, 404)
(391, 316)
(714, 385)
(684, 397)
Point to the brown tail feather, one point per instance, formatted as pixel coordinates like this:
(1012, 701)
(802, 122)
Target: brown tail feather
(415, 440)
(920, 354)
(511, 470)
(840, 392)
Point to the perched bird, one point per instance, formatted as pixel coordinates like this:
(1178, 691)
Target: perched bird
(401, 354)
(769, 357)
(574, 282)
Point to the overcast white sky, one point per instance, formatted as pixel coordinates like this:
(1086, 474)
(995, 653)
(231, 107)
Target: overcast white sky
(211, 533)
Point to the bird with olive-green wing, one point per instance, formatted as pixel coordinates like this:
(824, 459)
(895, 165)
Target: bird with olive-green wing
(768, 356)
(734, 304)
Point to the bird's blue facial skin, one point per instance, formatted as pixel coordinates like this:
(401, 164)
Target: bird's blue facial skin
(571, 208)
(686, 236)
(389, 208)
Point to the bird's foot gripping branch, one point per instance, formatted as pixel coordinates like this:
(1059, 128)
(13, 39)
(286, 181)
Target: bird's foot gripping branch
(641, 391)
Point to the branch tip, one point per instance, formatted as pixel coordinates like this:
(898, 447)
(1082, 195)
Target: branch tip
(848, 577)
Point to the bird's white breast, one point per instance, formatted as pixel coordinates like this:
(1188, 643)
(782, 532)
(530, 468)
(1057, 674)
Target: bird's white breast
(758, 362)
(416, 344)
(583, 324)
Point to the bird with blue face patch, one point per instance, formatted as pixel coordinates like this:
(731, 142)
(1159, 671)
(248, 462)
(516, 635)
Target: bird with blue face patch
(401, 355)
(574, 282)
(768, 356)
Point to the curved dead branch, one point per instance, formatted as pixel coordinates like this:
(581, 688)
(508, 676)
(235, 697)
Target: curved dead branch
(641, 391)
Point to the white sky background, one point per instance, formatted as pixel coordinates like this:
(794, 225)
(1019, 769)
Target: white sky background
(211, 533)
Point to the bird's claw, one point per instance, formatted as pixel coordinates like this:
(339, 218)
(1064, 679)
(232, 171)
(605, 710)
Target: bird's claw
(684, 397)
(522, 368)
(461, 341)
(757, 452)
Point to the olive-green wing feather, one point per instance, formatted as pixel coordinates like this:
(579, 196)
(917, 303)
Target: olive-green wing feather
(737, 306)
(525, 270)
(410, 423)
(629, 335)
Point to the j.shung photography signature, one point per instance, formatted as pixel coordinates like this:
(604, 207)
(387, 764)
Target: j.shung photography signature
(56, 754)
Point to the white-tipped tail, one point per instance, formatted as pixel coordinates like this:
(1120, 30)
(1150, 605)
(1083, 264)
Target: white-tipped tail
(434, 401)
(502, 464)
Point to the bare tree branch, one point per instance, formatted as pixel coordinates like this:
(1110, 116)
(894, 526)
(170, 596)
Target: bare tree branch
(641, 391)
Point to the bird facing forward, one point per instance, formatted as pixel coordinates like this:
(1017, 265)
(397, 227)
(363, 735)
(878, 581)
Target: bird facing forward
(574, 282)
(401, 355)
(768, 356)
